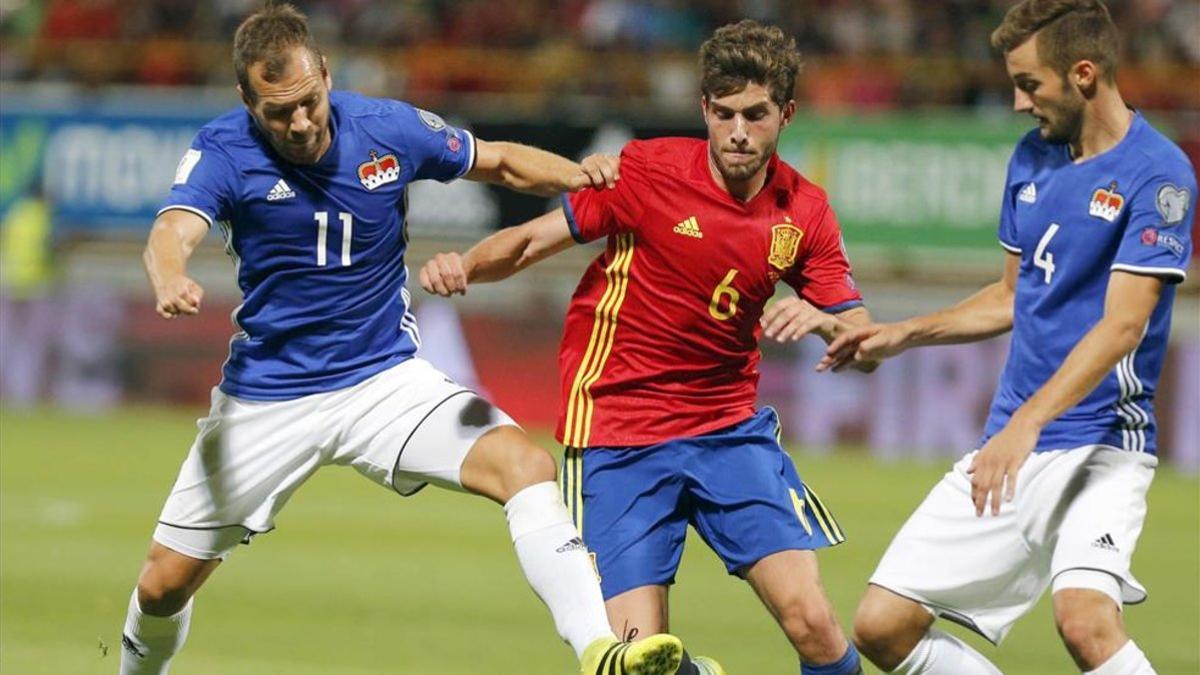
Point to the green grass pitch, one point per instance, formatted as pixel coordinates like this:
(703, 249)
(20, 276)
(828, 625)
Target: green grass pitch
(357, 580)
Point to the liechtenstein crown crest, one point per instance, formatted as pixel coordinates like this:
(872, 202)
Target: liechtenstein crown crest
(379, 170)
(785, 243)
(1107, 204)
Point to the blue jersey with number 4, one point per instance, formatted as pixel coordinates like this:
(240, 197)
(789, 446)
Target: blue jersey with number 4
(1129, 209)
(319, 248)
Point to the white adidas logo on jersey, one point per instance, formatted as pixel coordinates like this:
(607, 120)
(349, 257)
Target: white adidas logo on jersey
(280, 191)
(1028, 194)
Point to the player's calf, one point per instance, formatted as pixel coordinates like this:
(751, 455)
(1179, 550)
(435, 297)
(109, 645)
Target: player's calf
(159, 615)
(789, 584)
(505, 466)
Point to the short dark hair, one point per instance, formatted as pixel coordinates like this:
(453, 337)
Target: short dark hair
(1069, 31)
(748, 51)
(268, 36)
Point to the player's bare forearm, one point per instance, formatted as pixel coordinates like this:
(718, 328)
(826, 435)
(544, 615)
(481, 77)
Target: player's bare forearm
(531, 170)
(499, 256)
(855, 316)
(850, 319)
(1128, 304)
(173, 238)
(986, 314)
(513, 249)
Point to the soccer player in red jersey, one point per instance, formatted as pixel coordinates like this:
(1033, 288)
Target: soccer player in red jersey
(659, 359)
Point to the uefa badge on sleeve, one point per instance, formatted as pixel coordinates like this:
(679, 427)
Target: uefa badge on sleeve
(1172, 203)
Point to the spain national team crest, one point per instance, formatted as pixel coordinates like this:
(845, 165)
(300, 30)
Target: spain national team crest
(1107, 204)
(785, 243)
(379, 171)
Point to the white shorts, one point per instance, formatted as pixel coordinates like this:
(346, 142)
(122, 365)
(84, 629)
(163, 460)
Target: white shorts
(403, 428)
(1079, 509)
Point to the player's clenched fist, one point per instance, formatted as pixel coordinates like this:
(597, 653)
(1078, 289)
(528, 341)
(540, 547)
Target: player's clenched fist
(444, 275)
(178, 296)
(597, 171)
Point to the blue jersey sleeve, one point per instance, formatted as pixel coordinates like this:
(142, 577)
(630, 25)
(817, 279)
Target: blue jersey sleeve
(1157, 240)
(1007, 232)
(205, 181)
(435, 149)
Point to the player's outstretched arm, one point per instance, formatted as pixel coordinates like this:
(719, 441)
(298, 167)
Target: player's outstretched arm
(527, 169)
(175, 234)
(1129, 301)
(500, 256)
(791, 318)
(986, 314)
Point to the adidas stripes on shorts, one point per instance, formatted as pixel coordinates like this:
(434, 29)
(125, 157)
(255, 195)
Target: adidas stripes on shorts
(1074, 509)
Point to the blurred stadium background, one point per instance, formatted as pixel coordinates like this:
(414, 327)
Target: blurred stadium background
(905, 120)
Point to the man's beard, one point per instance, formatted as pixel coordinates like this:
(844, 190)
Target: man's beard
(744, 171)
(1065, 121)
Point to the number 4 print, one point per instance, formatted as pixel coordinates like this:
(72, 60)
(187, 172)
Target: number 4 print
(322, 218)
(1042, 258)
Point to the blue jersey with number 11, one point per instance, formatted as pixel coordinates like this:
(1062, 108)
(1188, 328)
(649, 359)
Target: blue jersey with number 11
(319, 248)
(1129, 209)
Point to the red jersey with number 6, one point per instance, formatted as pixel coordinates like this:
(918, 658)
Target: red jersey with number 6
(661, 338)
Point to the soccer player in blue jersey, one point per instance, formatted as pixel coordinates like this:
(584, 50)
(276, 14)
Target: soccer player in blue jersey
(1096, 221)
(308, 187)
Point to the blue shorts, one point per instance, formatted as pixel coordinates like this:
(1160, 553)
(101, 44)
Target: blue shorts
(736, 486)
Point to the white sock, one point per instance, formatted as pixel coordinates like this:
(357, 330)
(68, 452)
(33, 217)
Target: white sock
(940, 653)
(149, 642)
(557, 565)
(1129, 660)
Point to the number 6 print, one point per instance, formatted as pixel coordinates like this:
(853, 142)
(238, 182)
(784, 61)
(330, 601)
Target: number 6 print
(725, 289)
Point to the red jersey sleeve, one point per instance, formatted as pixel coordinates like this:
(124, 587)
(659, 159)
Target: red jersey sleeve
(822, 276)
(596, 213)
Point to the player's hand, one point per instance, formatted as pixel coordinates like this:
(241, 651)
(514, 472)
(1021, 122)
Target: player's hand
(596, 171)
(994, 468)
(791, 318)
(444, 275)
(864, 345)
(177, 296)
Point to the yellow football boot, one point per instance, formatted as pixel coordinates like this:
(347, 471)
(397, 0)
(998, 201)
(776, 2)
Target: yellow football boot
(655, 655)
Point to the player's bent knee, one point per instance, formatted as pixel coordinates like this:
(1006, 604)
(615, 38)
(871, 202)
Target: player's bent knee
(169, 579)
(885, 630)
(1091, 630)
(533, 465)
(162, 602)
(873, 634)
(160, 595)
(810, 624)
(503, 462)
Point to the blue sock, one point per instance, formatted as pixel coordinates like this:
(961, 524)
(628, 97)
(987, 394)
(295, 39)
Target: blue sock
(849, 664)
